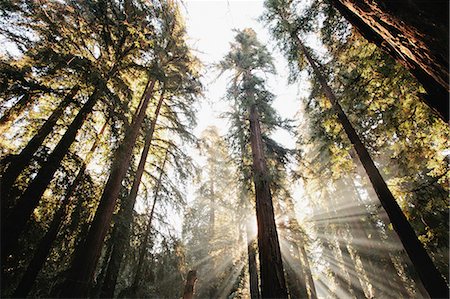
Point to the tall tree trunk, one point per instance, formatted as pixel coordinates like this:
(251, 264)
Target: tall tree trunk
(15, 111)
(252, 267)
(126, 213)
(413, 33)
(20, 161)
(430, 276)
(190, 283)
(46, 243)
(15, 222)
(86, 257)
(143, 248)
(273, 284)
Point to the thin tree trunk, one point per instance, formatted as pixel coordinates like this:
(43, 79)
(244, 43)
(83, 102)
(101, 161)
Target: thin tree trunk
(312, 286)
(46, 243)
(212, 220)
(430, 276)
(350, 265)
(295, 272)
(20, 161)
(412, 36)
(142, 249)
(15, 222)
(252, 267)
(126, 212)
(190, 283)
(273, 284)
(15, 111)
(86, 257)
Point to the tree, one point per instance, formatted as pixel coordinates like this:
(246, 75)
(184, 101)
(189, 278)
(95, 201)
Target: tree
(86, 258)
(247, 57)
(47, 241)
(279, 12)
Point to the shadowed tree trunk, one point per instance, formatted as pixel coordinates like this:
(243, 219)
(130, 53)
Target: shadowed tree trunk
(252, 267)
(46, 243)
(414, 33)
(126, 213)
(86, 256)
(190, 283)
(20, 161)
(430, 276)
(273, 284)
(15, 222)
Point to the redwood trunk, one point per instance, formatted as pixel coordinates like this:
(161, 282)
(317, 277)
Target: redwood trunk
(15, 222)
(273, 284)
(126, 218)
(46, 243)
(86, 257)
(190, 283)
(252, 267)
(19, 162)
(430, 276)
(415, 34)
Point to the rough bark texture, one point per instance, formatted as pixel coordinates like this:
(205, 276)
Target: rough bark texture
(273, 284)
(430, 276)
(15, 222)
(252, 267)
(86, 257)
(46, 243)
(20, 161)
(190, 283)
(126, 213)
(415, 33)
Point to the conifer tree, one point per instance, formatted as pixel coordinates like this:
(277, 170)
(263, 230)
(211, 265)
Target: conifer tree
(246, 58)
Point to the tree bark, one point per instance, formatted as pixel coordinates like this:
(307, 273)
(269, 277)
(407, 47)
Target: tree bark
(273, 284)
(20, 161)
(252, 267)
(126, 217)
(413, 33)
(15, 222)
(84, 264)
(190, 283)
(430, 276)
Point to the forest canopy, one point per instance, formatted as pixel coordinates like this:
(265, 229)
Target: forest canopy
(125, 173)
